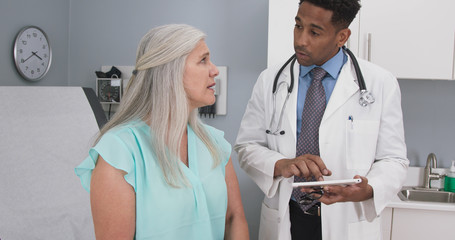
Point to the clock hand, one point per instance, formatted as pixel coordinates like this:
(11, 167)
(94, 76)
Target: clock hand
(28, 57)
(34, 53)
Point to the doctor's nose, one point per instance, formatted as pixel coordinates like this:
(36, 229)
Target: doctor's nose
(300, 39)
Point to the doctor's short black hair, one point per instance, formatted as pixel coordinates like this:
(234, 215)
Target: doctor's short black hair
(344, 11)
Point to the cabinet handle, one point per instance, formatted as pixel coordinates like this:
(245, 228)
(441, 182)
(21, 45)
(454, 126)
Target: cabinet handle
(369, 47)
(453, 60)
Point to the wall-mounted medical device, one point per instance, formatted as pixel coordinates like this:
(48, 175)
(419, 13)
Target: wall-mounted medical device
(219, 108)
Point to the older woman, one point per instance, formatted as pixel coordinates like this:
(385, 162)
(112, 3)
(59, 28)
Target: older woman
(156, 171)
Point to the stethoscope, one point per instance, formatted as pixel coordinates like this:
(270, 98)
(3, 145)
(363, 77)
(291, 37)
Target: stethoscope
(365, 99)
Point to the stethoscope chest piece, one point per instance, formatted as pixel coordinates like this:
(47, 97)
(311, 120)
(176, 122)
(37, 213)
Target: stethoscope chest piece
(366, 98)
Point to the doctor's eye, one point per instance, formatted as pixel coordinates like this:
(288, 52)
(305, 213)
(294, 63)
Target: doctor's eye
(314, 33)
(297, 26)
(204, 60)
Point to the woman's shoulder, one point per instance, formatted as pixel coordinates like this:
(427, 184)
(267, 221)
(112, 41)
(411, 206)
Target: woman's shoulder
(126, 132)
(217, 135)
(212, 131)
(128, 128)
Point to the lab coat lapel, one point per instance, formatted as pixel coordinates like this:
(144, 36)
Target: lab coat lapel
(345, 87)
(290, 115)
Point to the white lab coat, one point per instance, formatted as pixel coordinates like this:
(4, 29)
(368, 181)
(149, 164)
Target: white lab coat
(371, 145)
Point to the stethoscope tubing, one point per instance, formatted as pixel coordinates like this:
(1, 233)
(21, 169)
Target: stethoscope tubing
(277, 131)
(293, 58)
(358, 72)
(365, 99)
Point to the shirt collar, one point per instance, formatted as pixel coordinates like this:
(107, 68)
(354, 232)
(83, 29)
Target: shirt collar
(332, 66)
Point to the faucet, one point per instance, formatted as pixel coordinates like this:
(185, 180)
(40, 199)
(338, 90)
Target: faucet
(427, 174)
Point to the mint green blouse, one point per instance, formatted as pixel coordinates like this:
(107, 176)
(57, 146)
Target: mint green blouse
(164, 212)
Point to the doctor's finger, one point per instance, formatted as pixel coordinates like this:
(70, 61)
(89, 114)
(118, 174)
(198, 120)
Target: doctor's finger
(331, 198)
(309, 170)
(288, 170)
(293, 170)
(334, 190)
(320, 163)
(303, 169)
(315, 171)
(364, 180)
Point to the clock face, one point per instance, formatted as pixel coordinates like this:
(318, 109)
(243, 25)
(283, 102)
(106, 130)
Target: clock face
(32, 53)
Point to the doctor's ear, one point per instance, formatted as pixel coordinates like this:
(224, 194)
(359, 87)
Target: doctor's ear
(343, 36)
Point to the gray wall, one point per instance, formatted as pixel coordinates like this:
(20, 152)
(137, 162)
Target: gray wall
(52, 17)
(86, 34)
(429, 120)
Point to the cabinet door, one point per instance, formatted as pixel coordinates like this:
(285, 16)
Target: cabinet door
(386, 223)
(411, 38)
(422, 224)
(281, 30)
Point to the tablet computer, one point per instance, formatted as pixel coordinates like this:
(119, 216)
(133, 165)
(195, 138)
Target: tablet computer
(328, 182)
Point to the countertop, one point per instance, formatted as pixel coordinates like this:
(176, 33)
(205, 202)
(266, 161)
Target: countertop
(398, 203)
(414, 174)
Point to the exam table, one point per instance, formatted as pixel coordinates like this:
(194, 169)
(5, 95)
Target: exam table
(45, 132)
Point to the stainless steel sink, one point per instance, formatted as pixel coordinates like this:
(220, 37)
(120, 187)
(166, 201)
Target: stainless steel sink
(411, 194)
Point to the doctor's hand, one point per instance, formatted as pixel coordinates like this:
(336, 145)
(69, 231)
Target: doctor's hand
(351, 193)
(304, 166)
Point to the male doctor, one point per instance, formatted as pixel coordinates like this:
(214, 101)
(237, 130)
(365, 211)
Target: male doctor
(346, 140)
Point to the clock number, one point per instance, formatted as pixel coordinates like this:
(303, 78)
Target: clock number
(24, 42)
(33, 71)
(38, 70)
(22, 60)
(34, 35)
(44, 46)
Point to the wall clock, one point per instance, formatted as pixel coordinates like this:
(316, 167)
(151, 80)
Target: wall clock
(32, 53)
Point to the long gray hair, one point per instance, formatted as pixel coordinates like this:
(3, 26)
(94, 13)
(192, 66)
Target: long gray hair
(156, 95)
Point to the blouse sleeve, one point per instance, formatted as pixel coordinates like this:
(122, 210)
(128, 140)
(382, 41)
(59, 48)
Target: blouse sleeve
(223, 145)
(114, 149)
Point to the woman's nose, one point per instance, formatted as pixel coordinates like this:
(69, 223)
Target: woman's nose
(214, 71)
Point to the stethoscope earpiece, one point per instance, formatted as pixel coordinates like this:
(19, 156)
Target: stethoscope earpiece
(282, 132)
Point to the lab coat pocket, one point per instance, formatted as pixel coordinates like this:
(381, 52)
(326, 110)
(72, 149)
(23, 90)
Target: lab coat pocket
(361, 141)
(269, 223)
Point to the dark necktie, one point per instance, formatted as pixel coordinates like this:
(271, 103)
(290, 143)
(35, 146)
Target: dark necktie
(313, 110)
